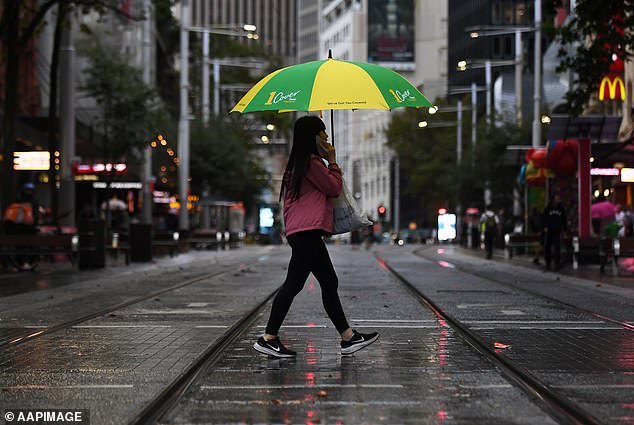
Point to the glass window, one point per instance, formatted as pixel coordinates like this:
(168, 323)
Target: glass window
(497, 51)
(520, 13)
(496, 13)
(509, 12)
(508, 46)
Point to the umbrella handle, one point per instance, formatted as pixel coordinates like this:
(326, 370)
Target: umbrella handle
(332, 128)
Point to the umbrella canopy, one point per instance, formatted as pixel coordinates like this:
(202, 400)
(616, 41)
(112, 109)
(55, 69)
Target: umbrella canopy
(331, 84)
(114, 204)
(603, 209)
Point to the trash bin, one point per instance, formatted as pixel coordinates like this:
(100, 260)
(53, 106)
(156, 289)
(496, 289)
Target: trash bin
(92, 243)
(140, 242)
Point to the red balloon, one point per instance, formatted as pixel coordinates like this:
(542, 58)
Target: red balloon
(562, 157)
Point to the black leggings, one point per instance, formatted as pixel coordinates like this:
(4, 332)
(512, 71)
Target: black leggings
(309, 255)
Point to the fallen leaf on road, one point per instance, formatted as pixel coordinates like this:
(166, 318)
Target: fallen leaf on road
(322, 393)
(500, 345)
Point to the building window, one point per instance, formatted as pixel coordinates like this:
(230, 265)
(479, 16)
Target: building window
(509, 12)
(496, 13)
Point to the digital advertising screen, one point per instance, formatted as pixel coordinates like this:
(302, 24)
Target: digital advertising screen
(391, 31)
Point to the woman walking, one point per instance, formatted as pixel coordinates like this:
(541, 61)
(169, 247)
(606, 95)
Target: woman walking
(306, 186)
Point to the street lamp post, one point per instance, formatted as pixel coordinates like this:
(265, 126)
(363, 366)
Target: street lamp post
(537, 90)
(246, 30)
(183, 122)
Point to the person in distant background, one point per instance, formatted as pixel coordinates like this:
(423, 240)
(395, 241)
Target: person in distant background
(490, 226)
(554, 221)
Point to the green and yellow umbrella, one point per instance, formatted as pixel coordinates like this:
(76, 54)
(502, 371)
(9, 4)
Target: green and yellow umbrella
(331, 84)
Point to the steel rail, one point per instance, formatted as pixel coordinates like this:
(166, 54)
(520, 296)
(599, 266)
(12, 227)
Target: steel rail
(624, 324)
(65, 325)
(558, 407)
(171, 395)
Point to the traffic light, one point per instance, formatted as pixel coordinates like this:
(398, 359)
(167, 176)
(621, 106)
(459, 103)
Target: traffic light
(381, 211)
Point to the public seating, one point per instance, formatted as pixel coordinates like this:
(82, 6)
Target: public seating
(513, 241)
(119, 242)
(166, 240)
(204, 240)
(623, 248)
(589, 249)
(37, 245)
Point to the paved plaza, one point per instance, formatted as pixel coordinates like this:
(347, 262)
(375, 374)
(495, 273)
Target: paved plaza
(112, 342)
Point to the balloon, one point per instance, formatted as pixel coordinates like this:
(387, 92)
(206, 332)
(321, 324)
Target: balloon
(562, 157)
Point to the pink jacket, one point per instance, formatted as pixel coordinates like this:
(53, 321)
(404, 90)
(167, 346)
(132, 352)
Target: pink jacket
(311, 210)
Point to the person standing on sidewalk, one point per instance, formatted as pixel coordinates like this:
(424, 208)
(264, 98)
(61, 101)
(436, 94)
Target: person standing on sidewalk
(554, 221)
(490, 225)
(308, 216)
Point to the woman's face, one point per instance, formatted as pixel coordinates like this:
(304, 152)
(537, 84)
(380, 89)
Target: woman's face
(323, 135)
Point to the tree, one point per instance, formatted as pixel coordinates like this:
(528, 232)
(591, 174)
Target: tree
(131, 109)
(428, 159)
(19, 22)
(222, 161)
(597, 33)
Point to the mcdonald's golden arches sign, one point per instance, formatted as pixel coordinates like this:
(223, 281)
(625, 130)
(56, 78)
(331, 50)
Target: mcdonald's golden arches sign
(611, 88)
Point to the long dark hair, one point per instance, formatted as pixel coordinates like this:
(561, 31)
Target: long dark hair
(304, 144)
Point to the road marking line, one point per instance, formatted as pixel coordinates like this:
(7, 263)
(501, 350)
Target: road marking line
(485, 387)
(319, 402)
(513, 312)
(298, 386)
(197, 305)
(122, 326)
(46, 387)
(212, 326)
(298, 326)
(521, 322)
(581, 328)
(395, 320)
(616, 386)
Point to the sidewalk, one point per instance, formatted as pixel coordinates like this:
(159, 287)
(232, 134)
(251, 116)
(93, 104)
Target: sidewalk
(585, 271)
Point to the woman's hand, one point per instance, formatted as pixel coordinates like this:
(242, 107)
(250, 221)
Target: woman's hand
(327, 151)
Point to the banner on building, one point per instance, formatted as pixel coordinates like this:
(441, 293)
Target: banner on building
(391, 34)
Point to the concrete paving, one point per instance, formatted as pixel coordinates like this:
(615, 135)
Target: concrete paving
(419, 371)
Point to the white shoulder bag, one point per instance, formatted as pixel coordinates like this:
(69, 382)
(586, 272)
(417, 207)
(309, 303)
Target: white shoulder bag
(347, 215)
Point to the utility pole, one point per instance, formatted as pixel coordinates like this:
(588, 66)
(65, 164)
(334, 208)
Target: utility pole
(67, 125)
(537, 89)
(146, 212)
(205, 77)
(183, 122)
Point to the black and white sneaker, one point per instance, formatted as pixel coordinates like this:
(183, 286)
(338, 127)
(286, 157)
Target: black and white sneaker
(273, 348)
(358, 341)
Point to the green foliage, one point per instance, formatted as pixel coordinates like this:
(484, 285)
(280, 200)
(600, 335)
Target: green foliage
(428, 160)
(131, 109)
(589, 40)
(427, 156)
(222, 161)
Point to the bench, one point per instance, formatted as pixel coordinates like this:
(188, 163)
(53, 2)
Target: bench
(512, 241)
(593, 247)
(623, 248)
(37, 245)
(205, 240)
(119, 242)
(167, 240)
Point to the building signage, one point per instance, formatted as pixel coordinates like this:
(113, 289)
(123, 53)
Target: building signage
(604, 172)
(31, 161)
(627, 175)
(612, 88)
(391, 33)
(118, 185)
(99, 168)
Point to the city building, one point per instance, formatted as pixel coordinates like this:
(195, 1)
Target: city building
(351, 30)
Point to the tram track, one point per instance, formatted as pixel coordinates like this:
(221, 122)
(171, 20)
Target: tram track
(172, 394)
(28, 337)
(559, 407)
(626, 325)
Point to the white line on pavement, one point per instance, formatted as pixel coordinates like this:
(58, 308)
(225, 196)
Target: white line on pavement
(55, 387)
(211, 326)
(122, 326)
(299, 386)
